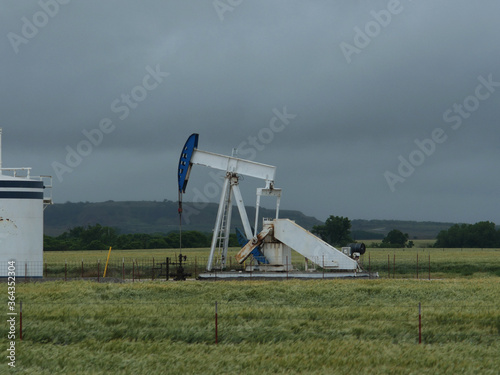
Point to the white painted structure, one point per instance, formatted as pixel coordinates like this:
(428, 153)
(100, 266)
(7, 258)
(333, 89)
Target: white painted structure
(22, 202)
(311, 247)
(230, 190)
(278, 236)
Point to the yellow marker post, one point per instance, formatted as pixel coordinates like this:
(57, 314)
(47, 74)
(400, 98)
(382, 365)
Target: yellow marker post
(107, 260)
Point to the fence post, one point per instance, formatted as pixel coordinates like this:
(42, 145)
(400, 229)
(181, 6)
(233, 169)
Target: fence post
(153, 270)
(417, 265)
(167, 267)
(25, 271)
(98, 268)
(429, 266)
(21, 320)
(45, 269)
(216, 326)
(323, 266)
(388, 266)
(82, 268)
(419, 323)
(394, 267)
(65, 270)
(133, 270)
(123, 269)
(196, 266)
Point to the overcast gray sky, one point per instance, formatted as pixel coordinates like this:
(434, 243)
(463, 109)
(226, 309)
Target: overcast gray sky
(368, 109)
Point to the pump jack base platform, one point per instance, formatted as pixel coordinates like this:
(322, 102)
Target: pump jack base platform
(259, 275)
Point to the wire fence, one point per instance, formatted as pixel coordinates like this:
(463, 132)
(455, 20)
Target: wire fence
(432, 263)
(386, 264)
(240, 321)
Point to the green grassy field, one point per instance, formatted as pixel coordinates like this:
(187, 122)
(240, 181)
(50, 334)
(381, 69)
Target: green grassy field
(439, 263)
(264, 327)
(94, 255)
(398, 263)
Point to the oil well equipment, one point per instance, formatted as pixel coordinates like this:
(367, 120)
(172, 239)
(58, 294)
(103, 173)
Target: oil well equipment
(267, 253)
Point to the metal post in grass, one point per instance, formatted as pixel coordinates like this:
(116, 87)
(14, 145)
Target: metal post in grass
(65, 270)
(25, 271)
(46, 269)
(419, 323)
(167, 266)
(133, 270)
(216, 326)
(196, 266)
(388, 266)
(429, 266)
(82, 268)
(323, 266)
(153, 270)
(98, 268)
(123, 269)
(394, 267)
(417, 266)
(21, 320)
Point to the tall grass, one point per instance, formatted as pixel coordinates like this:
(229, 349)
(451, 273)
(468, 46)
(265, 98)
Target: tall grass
(313, 327)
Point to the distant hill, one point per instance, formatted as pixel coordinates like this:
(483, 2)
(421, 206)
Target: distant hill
(151, 217)
(162, 217)
(379, 228)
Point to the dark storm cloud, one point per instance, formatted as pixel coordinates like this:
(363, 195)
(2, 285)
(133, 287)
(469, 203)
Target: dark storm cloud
(230, 69)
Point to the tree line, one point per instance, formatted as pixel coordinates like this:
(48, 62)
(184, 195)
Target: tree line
(336, 231)
(482, 234)
(98, 237)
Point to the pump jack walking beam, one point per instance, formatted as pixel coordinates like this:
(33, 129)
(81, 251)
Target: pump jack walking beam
(233, 167)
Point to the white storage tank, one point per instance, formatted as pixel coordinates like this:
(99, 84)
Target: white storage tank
(21, 221)
(21, 225)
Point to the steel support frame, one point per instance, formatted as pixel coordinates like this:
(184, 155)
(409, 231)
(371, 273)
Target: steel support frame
(266, 192)
(230, 188)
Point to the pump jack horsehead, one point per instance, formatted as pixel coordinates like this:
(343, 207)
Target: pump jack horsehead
(271, 247)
